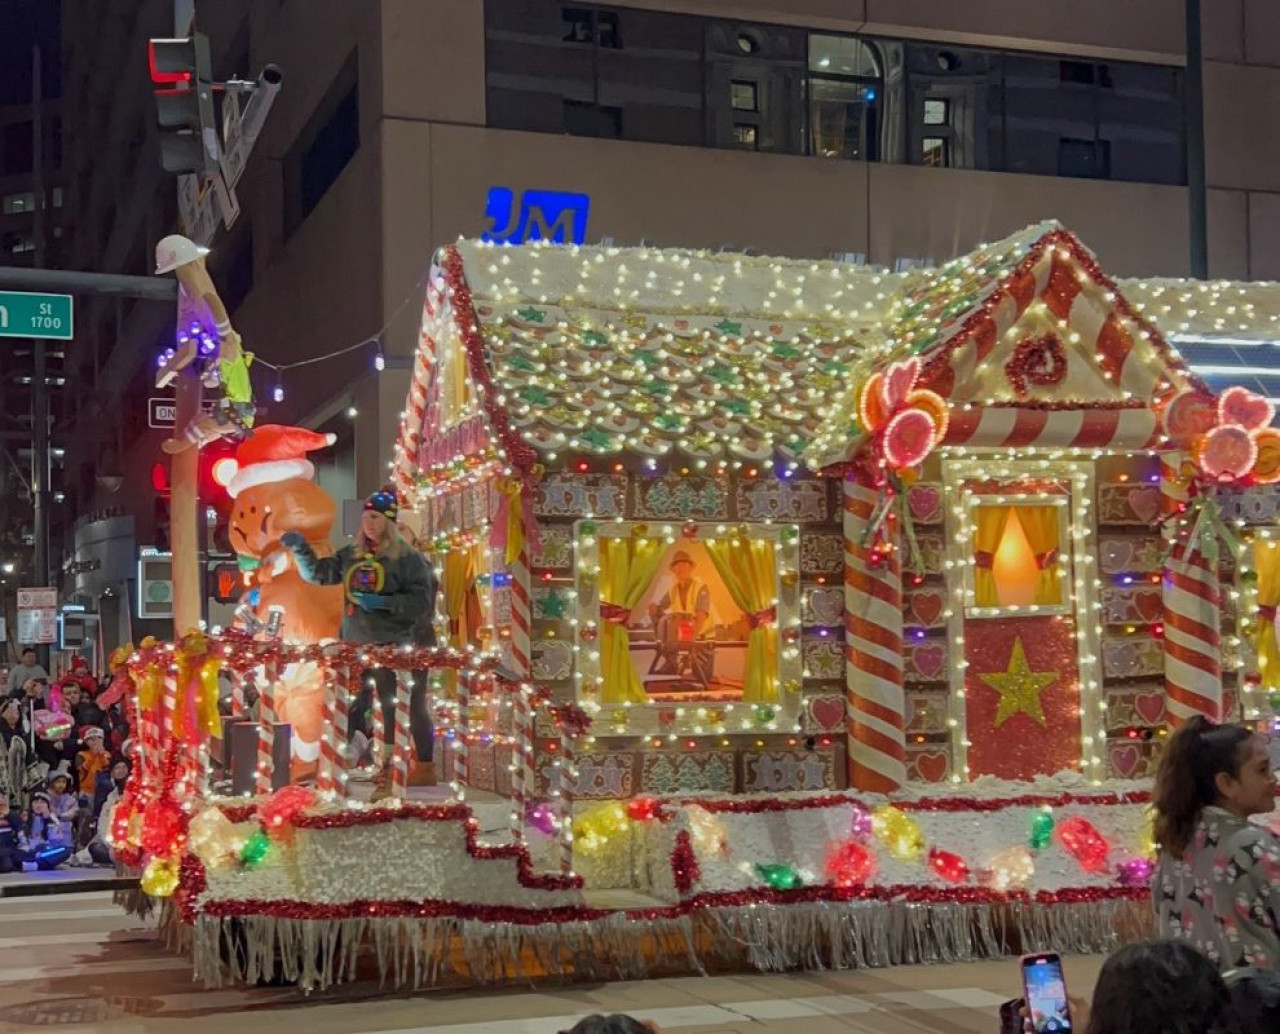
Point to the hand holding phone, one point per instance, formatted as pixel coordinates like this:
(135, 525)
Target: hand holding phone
(1045, 988)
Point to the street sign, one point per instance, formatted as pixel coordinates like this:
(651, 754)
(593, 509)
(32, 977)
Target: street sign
(37, 616)
(36, 315)
(161, 412)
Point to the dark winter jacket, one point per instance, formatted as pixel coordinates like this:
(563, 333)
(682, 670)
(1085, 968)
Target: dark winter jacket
(408, 589)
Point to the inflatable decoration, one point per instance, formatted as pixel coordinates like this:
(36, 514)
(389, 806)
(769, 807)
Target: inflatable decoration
(273, 485)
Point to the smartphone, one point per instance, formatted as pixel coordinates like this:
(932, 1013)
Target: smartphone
(1045, 987)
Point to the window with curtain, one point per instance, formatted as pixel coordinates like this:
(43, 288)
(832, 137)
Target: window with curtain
(1016, 550)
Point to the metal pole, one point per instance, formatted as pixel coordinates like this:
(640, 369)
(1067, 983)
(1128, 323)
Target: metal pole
(39, 377)
(1198, 216)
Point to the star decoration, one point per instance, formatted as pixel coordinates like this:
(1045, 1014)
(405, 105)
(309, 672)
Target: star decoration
(531, 315)
(1019, 687)
(601, 441)
(729, 327)
(552, 605)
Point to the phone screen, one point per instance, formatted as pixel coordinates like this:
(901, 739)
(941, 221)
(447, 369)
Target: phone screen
(1046, 989)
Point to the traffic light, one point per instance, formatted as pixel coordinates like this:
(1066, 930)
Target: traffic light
(183, 74)
(161, 536)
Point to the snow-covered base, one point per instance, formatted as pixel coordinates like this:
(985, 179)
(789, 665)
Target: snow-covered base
(411, 885)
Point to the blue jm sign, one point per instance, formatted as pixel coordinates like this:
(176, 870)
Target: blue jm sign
(537, 215)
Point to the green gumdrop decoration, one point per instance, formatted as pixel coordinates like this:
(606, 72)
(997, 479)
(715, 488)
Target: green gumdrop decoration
(779, 877)
(255, 849)
(764, 713)
(1273, 698)
(1041, 830)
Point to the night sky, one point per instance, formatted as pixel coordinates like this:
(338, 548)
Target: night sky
(22, 23)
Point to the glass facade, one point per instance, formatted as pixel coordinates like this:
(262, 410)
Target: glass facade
(589, 70)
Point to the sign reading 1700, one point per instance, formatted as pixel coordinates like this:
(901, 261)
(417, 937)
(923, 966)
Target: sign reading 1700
(36, 315)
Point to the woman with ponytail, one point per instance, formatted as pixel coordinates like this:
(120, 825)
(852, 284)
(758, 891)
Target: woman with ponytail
(1217, 882)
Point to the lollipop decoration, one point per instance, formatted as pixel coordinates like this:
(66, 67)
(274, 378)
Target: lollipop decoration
(1231, 441)
(904, 423)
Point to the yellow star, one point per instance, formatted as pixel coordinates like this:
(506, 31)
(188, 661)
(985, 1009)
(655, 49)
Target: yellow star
(1019, 687)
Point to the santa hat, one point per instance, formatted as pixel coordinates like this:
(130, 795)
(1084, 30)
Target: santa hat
(78, 663)
(272, 453)
(87, 732)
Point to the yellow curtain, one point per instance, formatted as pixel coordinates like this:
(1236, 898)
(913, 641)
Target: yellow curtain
(627, 566)
(1040, 524)
(461, 607)
(1266, 561)
(990, 522)
(749, 571)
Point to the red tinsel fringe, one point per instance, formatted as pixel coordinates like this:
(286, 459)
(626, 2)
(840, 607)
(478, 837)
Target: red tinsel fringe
(685, 869)
(1062, 800)
(520, 916)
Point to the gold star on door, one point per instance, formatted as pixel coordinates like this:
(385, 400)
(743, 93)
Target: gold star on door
(1019, 687)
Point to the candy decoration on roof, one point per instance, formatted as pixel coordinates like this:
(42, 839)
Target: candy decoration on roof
(905, 423)
(1081, 839)
(1230, 441)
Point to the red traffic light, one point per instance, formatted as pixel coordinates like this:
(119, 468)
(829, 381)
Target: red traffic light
(167, 60)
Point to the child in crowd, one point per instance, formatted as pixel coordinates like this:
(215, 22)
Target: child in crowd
(46, 843)
(92, 760)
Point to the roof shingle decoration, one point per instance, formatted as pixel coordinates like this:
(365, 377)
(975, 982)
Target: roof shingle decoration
(724, 361)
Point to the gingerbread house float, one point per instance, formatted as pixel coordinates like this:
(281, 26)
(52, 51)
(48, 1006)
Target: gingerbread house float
(879, 592)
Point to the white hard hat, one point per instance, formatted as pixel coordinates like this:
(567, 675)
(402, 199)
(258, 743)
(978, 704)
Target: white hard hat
(176, 250)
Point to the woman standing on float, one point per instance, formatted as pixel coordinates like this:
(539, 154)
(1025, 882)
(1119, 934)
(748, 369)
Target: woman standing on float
(389, 588)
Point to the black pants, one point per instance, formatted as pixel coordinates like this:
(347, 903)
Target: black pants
(384, 680)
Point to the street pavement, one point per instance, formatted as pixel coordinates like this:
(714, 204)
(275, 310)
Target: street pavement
(76, 963)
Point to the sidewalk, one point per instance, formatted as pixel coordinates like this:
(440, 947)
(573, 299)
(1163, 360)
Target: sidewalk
(67, 880)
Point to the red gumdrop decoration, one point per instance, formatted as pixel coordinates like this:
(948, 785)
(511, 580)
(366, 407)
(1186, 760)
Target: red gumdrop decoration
(282, 807)
(850, 864)
(642, 809)
(1081, 839)
(951, 867)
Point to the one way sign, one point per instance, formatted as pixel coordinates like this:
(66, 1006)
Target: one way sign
(161, 412)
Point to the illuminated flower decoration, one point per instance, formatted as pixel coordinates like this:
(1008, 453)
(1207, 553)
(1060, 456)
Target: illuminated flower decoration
(905, 423)
(1231, 441)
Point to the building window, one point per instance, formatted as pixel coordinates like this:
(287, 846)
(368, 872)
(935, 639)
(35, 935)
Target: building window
(844, 95)
(325, 146)
(933, 151)
(18, 243)
(742, 96)
(16, 155)
(747, 136)
(15, 204)
(936, 112)
(646, 75)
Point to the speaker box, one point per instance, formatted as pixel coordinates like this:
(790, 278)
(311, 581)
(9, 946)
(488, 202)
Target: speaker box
(244, 756)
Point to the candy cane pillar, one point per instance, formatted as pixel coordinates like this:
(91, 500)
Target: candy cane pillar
(1192, 606)
(875, 702)
(267, 724)
(403, 736)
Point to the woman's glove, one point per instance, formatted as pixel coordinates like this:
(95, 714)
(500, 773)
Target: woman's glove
(371, 601)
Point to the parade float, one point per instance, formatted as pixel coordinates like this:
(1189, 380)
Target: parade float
(793, 614)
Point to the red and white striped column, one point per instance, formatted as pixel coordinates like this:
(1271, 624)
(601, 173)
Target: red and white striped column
(521, 764)
(402, 738)
(1192, 605)
(567, 784)
(461, 730)
(521, 613)
(266, 724)
(876, 703)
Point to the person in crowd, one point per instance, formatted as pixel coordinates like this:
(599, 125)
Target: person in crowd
(92, 760)
(14, 734)
(1217, 879)
(57, 751)
(617, 1023)
(61, 798)
(21, 674)
(110, 789)
(47, 840)
(388, 587)
(1255, 996)
(70, 698)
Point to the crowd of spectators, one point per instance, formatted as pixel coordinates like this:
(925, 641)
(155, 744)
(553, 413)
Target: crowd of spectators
(64, 761)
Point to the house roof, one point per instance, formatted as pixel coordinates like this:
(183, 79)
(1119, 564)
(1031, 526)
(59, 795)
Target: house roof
(1027, 323)
(729, 360)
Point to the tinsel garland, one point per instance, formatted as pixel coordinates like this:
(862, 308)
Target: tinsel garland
(756, 806)
(422, 948)
(685, 870)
